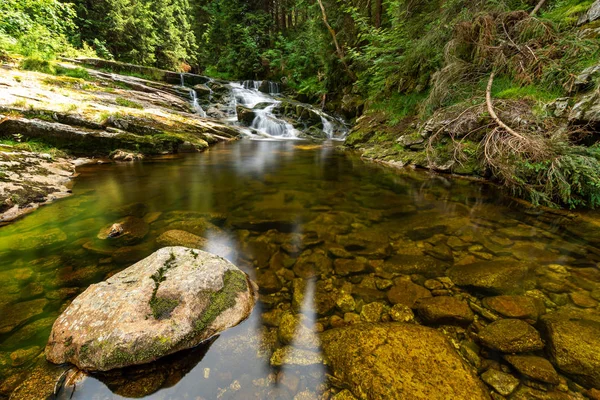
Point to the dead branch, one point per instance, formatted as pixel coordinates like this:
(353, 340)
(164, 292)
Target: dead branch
(490, 107)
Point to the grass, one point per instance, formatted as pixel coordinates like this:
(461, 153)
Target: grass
(21, 103)
(34, 147)
(51, 68)
(128, 103)
(567, 12)
(505, 88)
(399, 106)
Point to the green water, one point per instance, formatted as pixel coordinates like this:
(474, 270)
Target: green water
(281, 211)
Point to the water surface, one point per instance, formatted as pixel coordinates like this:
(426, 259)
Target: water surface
(283, 212)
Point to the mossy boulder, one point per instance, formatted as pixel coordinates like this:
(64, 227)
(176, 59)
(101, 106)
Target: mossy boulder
(173, 300)
(573, 340)
(399, 361)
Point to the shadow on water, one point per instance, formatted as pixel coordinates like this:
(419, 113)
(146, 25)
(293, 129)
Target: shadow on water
(308, 223)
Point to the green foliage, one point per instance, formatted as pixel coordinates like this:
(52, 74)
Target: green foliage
(570, 178)
(49, 67)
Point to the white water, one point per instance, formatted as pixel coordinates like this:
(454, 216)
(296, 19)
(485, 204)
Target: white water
(195, 105)
(265, 123)
(193, 99)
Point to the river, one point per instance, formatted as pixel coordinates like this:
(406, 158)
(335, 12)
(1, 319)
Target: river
(284, 212)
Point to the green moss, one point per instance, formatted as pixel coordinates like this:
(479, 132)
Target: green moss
(163, 307)
(128, 103)
(234, 282)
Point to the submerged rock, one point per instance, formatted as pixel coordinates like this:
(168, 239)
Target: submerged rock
(534, 367)
(399, 361)
(573, 340)
(170, 301)
(444, 309)
(521, 307)
(504, 383)
(511, 336)
(498, 277)
(407, 293)
(129, 230)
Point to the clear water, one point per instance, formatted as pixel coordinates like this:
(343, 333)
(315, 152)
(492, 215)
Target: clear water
(258, 199)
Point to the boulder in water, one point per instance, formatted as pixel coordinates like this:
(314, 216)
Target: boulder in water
(399, 361)
(173, 300)
(573, 340)
(245, 115)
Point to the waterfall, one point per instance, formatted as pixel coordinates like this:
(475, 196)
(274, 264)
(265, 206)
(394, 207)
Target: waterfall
(195, 105)
(265, 121)
(274, 88)
(182, 80)
(327, 127)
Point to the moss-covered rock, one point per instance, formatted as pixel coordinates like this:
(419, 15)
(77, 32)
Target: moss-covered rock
(573, 339)
(399, 361)
(170, 301)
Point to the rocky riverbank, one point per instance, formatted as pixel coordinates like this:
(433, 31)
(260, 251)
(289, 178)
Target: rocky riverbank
(47, 121)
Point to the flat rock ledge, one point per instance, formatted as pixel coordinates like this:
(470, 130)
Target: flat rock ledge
(173, 300)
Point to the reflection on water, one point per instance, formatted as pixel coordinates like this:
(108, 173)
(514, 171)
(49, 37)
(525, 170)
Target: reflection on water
(322, 233)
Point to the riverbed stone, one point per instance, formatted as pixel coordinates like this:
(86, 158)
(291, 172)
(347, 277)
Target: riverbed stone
(15, 314)
(181, 238)
(520, 307)
(408, 264)
(573, 340)
(345, 267)
(133, 231)
(511, 336)
(372, 312)
(534, 367)
(497, 277)
(407, 293)
(395, 361)
(33, 241)
(296, 329)
(502, 382)
(444, 310)
(172, 300)
(293, 356)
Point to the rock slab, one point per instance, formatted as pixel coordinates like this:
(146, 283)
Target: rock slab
(173, 300)
(399, 361)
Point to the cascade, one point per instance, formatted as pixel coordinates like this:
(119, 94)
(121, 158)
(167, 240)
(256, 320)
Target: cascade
(195, 105)
(265, 121)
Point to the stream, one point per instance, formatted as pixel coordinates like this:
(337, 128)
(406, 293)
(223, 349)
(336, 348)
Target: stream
(284, 212)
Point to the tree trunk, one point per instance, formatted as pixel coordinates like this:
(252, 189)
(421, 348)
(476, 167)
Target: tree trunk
(340, 52)
(378, 13)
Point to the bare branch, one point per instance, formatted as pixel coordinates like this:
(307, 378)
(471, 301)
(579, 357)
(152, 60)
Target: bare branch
(490, 107)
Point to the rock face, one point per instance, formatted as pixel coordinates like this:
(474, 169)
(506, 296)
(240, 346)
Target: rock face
(498, 277)
(170, 301)
(573, 340)
(399, 361)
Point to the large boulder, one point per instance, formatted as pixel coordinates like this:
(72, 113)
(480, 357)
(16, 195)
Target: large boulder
(497, 277)
(399, 361)
(573, 340)
(173, 300)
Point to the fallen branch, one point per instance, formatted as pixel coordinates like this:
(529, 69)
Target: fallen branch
(490, 107)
